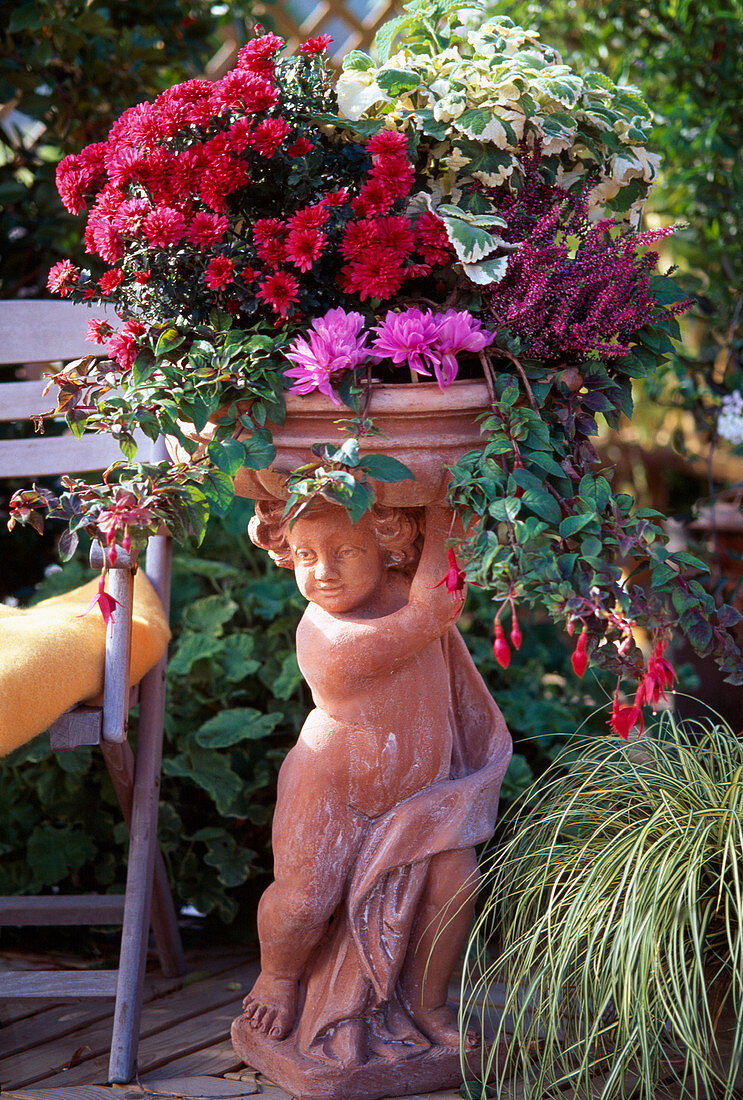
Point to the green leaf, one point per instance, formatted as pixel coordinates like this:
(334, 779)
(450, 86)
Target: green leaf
(235, 657)
(207, 616)
(544, 505)
(210, 771)
(258, 451)
(169, 340)
(386, 35)
(230, 727)
(356, 61)
(572, 524)
(219, 490)
(397, 82)
(192, 648)
(470, 242)
(229, 455)
(289, 678)
(385, 468)
(53, 853)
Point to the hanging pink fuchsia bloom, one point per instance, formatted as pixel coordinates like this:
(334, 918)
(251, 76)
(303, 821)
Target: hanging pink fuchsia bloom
(334, 347)
(454, 578)
(501, 649)
(579, 659)
(105, 603)
(624, 717)
(658, 676)
(409, 338)
(458, 331)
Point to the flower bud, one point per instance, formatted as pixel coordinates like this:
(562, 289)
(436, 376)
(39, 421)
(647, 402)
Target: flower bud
(501, 648)
(515, 632)
(579, 659)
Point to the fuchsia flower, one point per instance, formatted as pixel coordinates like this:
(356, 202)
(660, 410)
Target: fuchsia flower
(334, 347)
(454, 578)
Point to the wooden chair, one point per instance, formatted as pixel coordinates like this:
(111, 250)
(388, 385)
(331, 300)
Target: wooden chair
(35, 332)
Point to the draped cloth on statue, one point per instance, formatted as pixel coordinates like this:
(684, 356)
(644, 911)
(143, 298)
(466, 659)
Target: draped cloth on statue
(355, 970)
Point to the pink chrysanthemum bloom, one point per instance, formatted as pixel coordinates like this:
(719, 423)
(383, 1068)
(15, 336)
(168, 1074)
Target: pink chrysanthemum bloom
(458, 331)
(62, 277)
(408, 337)
(219, 273)
(334, 347)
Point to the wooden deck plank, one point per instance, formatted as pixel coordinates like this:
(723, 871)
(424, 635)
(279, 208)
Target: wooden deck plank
(165, 1014)
(216, 1060)
(154, 1050)
(60, 1019)
(82, 1092)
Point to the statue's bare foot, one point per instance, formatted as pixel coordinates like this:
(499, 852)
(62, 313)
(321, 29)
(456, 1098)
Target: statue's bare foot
(271, 1005)
(440, 1025)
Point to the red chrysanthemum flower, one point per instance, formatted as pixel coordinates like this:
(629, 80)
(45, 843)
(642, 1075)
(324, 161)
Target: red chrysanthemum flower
(249, 275)
(164, 226)
(219, 273)
(110, 280)
(257, 55)
(315, 46)
(206, 229)
(387, 142)
(377, 274)
(266, 228)
(300, 148)
(432, 240)
(244, 90)
(268, 136)
(304, 246)
(99, 330)
(61, 277)
(336, 198)
(238, 134)
(279, 291)
(375, 199)
(101, 237)
(123, 346)
(131, 214)
(309, 217)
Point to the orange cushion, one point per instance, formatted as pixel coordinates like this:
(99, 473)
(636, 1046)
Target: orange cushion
(52, 656)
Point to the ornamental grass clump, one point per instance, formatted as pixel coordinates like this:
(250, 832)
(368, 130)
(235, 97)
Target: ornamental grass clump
(616, 912)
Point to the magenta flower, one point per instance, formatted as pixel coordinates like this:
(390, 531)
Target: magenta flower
(458, 331)
(408, 337)
(334, 347)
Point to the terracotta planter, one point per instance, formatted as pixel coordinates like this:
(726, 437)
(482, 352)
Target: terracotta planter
(423, 426)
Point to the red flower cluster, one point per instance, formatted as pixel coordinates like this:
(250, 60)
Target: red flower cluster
(184, 195)
(658, 676)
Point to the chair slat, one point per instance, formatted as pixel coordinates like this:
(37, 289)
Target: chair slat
(42, 457)
(32, 331)
(59, 909)
(22, 400)
(58, 984)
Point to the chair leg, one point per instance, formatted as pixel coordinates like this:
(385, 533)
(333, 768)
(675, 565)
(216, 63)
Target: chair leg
(119, 760)
(142, 847)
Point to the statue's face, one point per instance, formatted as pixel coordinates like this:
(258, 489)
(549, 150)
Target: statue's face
(338, 565)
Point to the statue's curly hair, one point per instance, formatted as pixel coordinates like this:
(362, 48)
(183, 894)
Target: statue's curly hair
(399, 532)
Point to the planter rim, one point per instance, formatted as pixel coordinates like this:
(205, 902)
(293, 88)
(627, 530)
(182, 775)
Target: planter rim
(417, 397)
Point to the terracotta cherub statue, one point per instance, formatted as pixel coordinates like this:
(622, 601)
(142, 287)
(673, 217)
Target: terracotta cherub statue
(394, 779)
